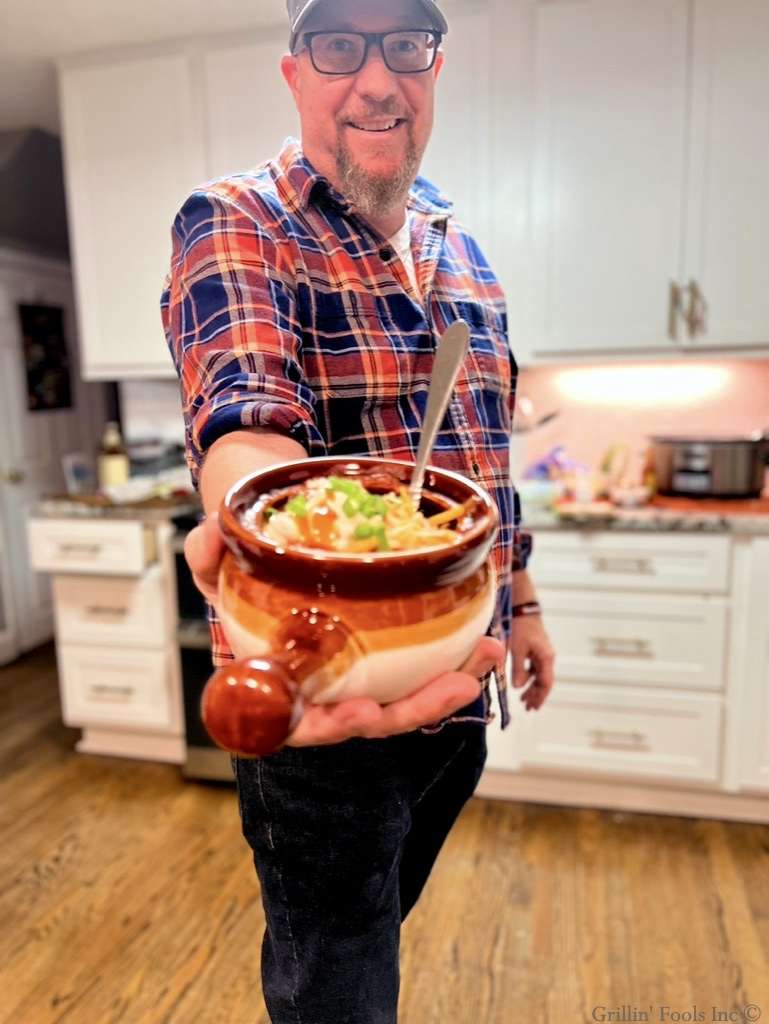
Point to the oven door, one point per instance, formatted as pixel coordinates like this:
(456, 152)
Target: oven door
(204, 760)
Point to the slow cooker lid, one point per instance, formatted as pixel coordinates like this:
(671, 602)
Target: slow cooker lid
(707, 439)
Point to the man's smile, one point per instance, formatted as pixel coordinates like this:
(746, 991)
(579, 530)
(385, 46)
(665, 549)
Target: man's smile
(377, 126)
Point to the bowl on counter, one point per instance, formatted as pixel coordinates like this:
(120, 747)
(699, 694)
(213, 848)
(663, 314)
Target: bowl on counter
(538, 495)
(630, 496)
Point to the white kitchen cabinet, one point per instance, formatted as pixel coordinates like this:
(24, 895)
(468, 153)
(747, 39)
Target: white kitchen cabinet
(114, 589)
(656, 639)
(632, 733)
(133, 150)
(617, 560)
(459, 155)
(727, 204)
(661, 695)
(599, 150)
(649, 158)
(608, 170)
(249, 108)
(107, 548)
(750, 671)
(121, 687)
(119, 610)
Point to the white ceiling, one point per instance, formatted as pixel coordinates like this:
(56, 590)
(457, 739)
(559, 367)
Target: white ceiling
(34, 33)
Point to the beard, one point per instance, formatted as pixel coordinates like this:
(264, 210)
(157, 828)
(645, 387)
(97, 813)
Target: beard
(377, 193)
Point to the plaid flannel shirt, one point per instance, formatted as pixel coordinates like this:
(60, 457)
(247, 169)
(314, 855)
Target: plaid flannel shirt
(285, 309)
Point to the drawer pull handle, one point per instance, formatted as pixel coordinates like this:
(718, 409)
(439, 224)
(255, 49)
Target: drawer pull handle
(106, 692)
(608, 739)
(606, 563)
(79, 548)
(621, 647)
(103, 609)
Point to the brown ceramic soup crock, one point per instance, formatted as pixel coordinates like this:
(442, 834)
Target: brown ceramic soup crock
(312, 625)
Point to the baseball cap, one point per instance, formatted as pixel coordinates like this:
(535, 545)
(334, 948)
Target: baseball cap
(299, 11)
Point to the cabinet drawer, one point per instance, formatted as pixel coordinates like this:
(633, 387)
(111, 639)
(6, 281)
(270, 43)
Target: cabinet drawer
(638, 639)
(117, 610)
(615, 560)
(632, 732)
(114, 685)
(108, 548)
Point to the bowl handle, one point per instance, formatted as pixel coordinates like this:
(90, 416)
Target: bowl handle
(251, 706)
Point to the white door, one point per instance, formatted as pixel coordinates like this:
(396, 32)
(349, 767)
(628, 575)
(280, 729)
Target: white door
(9, 638)
(249, 109)
(133, 147)
(727, 237)
(34, 442)
(608, 172)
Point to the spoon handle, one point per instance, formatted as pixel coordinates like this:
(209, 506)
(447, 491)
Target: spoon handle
(450, 353)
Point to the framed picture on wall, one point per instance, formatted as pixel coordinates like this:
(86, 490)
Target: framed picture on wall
(46, 358)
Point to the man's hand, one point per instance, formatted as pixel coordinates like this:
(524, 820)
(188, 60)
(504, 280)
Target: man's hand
(333, 723)
(204, 550)
(533, 659)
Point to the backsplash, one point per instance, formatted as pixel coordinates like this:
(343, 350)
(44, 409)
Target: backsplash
(151, 409)
(599, 404)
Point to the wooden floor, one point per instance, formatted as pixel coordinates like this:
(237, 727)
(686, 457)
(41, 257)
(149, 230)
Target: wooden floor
(128, 894)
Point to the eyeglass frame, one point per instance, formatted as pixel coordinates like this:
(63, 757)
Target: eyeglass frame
(306, 38)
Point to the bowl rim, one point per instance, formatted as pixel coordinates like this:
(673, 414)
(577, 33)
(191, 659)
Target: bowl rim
(487, 521)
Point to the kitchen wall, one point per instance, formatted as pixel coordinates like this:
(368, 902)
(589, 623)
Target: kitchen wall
(599, 404)
(604, 403)
(151, 409)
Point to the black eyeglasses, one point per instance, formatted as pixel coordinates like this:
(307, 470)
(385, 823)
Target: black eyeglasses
(409, 52)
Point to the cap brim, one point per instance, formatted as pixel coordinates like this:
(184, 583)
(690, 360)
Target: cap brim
(437, 20)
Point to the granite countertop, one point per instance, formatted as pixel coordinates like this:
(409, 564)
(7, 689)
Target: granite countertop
(696, 515)
(150, 510)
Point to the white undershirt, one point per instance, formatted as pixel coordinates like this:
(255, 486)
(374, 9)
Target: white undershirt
(401, 242)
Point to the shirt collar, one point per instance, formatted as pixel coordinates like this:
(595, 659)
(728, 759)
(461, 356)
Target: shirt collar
(298, 182)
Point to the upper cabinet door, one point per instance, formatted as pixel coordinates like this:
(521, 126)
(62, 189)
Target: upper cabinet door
(458, 157)
(608, 172)
(249, 108)
(727, 212)
(133, 152)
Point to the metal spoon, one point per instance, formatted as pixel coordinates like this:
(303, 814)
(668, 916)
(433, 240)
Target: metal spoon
(450, 353)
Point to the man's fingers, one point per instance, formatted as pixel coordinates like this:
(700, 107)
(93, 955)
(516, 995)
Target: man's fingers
(334, 723)
(488, 653)
(203, 550)
(443, 696)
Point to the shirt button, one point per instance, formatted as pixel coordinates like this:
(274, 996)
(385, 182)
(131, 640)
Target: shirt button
(386, 254)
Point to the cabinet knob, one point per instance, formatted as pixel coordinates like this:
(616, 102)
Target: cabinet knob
(14, 476)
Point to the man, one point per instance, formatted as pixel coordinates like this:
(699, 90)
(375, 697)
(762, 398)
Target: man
(303, 308)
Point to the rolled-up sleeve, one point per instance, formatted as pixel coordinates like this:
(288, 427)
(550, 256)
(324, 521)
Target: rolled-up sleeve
(229, 316)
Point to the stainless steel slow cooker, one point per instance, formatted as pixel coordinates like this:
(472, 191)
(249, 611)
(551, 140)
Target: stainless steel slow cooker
(711, 467)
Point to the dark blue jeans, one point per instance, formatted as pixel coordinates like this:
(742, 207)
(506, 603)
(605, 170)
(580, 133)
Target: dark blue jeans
(344, 837)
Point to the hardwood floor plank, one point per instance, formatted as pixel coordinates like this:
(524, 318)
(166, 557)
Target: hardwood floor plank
(128, 896)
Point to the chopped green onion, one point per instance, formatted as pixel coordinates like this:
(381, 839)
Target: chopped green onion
(269, 513)
(297, 506)
(364, 532)
(373, 506)
(350, 508)
(379, 533)
(348, 487)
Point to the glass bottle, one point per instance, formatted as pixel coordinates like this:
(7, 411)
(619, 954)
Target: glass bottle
(114, 466)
